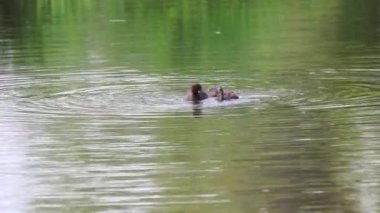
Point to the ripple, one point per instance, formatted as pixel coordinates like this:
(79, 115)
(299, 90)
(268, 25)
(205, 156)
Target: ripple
(346, 88)
(115, 91)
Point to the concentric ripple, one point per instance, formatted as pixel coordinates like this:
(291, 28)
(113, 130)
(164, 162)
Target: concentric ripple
(110, 92)
(346, 88)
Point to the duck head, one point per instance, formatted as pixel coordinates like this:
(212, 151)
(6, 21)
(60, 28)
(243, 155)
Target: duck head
(220, 94)
(196, 89)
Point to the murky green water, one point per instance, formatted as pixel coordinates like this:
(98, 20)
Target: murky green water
(93, 117)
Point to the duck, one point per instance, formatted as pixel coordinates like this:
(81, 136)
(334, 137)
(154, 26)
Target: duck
(222, 95)
(196, 93)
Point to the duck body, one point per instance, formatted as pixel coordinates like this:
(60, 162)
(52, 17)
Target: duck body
(230, 95)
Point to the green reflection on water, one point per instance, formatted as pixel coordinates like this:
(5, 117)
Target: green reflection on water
(279, 159)
(284, 156)
(185, 36)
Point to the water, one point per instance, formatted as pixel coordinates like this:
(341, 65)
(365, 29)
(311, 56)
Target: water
(93, 116)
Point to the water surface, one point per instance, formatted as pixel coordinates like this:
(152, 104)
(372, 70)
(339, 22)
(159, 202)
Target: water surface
(93, 116)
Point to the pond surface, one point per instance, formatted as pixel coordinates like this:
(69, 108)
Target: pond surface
(93, 116)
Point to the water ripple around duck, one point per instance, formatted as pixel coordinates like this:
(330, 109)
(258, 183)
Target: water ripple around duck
(111, 92)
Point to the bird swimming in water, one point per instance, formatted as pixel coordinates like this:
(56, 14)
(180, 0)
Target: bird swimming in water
(197, 94)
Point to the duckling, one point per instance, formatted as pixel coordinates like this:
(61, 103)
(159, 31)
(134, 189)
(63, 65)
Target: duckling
(222, 95)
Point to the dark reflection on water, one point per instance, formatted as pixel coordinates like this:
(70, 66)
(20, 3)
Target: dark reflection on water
(93, 116)
(197, 109)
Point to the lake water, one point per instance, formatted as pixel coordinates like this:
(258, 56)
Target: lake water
(93, 116)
